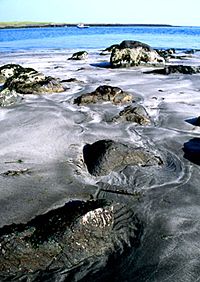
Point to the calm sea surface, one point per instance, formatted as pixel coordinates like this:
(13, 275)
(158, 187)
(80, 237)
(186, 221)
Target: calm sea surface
(97, 37)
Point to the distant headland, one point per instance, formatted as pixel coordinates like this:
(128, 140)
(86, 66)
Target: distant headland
(4, 25)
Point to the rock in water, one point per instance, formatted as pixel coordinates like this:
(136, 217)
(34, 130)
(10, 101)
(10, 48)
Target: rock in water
(68, 243)
(136, 114)
(176, 69)
(134, 44)
(104, 93)
(104, 156)
(81, 55)
(134, 53)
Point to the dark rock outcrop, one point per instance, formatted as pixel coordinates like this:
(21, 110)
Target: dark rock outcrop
(192, 150)
(197, 123)
(68, 243)
(134, 44)
(104, 156)
(81, 55)
(136, 114)
(166, 54)
(104, 93)
(109, 49)
(176, 69)
(29, 81)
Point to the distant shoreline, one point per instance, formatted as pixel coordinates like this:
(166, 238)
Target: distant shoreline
(39, 25)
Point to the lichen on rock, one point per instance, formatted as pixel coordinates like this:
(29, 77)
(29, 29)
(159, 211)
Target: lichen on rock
(137, 114)
(134, 53)
(74, 240)
(104, 93)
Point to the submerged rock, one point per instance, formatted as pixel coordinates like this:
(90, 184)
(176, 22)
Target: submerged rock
(29, 81)
(176, 69)
(134, 53)
(81, 55)
(70, 243)
(136, 114)
(104, 93)
(104, 156)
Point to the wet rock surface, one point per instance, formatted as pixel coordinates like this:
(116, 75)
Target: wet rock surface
(8, 98)
(105, 156)
(137, 114)
(81, 55)
(176, 69)
(134, 53)
(166, 54)
(104, 93)
(69, 243)
(28, 81)
(9, 70)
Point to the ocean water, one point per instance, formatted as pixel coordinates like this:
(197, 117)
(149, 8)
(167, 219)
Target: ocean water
(97, 37)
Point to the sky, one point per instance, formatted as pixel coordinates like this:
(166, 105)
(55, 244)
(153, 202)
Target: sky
(174, 12)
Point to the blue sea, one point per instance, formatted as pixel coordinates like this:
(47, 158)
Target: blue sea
(26, 39)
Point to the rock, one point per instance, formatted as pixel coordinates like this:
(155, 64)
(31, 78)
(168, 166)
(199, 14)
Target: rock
(136, 114)
(9, 70)
(191, 51)
(81, 55)
(191, 150)
(104, 93)
(8, 98)
(104, 156)
(109, 49)
(176, 69)
(29, 81)
(134, 44)
(136, 54)
(166, 54)
(68, 243)
(197, 123)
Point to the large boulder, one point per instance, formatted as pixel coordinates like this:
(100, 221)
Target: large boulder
(134, 53)
(69, 243)
(137, 114)
(105, 156)
(81, 55)
(104, 93)
(176, 69)
(134, 44)
(29, 81)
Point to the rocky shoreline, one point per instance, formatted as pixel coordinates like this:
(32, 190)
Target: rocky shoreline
(99, 165)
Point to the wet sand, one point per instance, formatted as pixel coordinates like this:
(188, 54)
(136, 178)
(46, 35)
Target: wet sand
(47, 134)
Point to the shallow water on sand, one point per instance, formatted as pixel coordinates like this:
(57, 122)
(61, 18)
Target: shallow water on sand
(48, 132)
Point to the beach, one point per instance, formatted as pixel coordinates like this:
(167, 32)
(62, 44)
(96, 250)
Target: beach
(43, 136)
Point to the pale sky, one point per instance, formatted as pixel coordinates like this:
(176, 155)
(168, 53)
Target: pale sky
(175, 12)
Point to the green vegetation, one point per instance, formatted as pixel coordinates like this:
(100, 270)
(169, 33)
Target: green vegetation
(28, 24)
